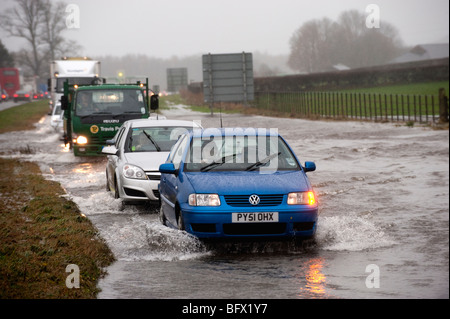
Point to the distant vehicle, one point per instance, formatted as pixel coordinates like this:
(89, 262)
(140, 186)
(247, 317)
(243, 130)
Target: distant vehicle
(57, 118)
(9, 80)
(39, 95)
(237, 183)
(94, 113)
(140, 146)
(4, 96)
(23, 95)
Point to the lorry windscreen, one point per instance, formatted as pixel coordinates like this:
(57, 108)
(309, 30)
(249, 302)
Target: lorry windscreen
(114, 102)
(72, 81)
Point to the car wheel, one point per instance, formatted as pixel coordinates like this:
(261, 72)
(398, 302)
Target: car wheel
(116, 189)
(180, 220)
(162, 217)
(107, 182)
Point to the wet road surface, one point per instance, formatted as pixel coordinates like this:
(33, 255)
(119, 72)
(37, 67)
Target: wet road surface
(383, 229)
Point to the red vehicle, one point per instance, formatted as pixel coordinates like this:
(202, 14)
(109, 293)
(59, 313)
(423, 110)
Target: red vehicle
(9, 80)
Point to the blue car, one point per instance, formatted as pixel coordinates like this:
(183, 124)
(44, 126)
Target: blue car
(237, 183)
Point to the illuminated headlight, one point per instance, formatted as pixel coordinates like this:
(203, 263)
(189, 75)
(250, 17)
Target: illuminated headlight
(204, 200)
(82, 140)
(301, 198)
(135, 172)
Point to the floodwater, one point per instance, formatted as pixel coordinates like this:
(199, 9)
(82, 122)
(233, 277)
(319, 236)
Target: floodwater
(383, 229)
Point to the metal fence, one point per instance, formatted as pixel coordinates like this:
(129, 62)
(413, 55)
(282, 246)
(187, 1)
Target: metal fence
(358, 106)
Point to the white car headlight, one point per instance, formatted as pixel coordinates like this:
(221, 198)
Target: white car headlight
(132, 171)
(204, 200)
(301, 198)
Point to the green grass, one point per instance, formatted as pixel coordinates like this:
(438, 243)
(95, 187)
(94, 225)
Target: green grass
(411, 102)
(429, 88)
(22, 117)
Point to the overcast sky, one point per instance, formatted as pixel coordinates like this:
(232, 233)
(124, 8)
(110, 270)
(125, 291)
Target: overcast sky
(166, 28)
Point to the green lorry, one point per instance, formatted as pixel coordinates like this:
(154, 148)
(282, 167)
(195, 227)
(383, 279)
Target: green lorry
(94, 113)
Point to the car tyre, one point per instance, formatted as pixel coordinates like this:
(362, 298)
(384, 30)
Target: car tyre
(107, 182)
(180, 219)
(116, 189)
(162, 217)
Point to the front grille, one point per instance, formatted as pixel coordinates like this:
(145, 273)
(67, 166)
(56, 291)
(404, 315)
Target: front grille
(243, 200)
(96, 140)
(255, 229)
(153, 176)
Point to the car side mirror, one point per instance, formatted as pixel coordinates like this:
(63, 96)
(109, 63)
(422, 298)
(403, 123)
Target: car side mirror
(110, 142)
(310, 167)
(154, 102)
(167, 168)
(110, 150)
(64, 102)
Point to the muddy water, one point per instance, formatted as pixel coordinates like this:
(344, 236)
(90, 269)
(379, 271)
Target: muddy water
(383, 229)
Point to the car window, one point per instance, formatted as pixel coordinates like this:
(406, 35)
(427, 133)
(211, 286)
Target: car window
(118, 137)
(177, 152)
(240, 154)
(154, 139)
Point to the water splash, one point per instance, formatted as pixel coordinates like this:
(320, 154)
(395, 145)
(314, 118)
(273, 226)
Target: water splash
(350, 232)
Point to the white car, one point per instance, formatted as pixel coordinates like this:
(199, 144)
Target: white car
(135, 153)
(57, 119)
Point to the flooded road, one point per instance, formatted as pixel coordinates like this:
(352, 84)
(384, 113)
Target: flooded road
(383, 229)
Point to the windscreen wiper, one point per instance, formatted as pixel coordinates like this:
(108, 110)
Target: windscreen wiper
(152, 140)
(262, 162)
(216, 163)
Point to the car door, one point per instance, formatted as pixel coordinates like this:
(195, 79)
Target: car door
(169, 182)
(113, 160)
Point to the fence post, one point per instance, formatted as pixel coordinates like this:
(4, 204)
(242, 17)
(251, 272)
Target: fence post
(443, 106)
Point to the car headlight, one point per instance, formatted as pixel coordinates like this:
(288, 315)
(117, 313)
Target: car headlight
(204, 200)
(81, 140)
(301, 198)
(132, 171)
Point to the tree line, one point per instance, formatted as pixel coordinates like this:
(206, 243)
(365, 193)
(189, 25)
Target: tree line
(320, 44)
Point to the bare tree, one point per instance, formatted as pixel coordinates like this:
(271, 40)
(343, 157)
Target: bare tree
(41, 23)
(24, 21)
(311, 46)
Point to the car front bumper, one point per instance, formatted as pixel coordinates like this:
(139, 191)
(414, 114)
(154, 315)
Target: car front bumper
(295, 221)
(138, 189)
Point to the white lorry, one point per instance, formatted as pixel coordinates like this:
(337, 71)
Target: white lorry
(78, 70)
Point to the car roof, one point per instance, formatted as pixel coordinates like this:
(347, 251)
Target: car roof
(235, 131)
(155, 122)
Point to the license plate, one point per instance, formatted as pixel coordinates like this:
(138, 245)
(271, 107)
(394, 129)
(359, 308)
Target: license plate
(266, 217)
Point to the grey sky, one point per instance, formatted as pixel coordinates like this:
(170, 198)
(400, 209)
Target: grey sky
(166, 28)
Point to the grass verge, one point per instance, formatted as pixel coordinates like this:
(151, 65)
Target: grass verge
(41, 231)
(22, 117)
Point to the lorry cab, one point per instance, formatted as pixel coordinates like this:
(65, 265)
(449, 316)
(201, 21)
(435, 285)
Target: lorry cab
(94, 113)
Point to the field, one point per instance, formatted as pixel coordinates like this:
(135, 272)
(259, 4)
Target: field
(418, 102)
